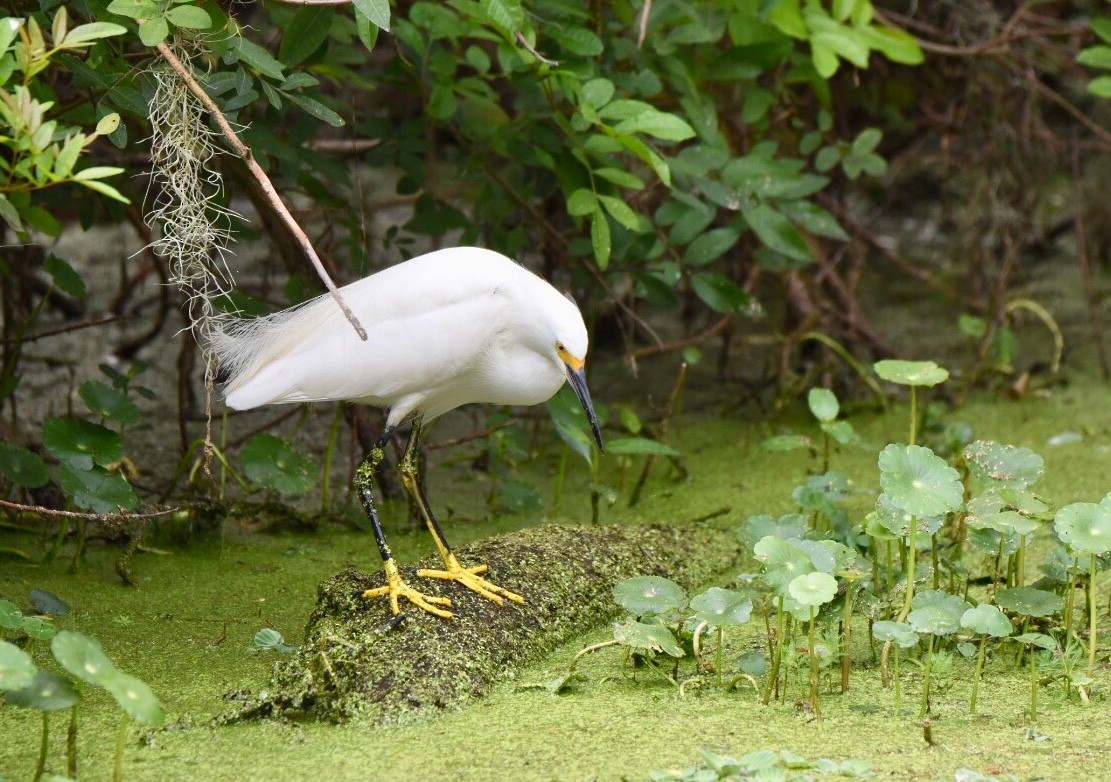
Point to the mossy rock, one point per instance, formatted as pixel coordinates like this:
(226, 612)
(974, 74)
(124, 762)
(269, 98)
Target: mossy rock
(355, 663)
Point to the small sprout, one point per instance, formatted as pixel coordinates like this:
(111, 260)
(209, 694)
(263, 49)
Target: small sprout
(919, 481)
(270, 640)
(649, 595)
(911, 373)
(1010, 465)
(17, 669)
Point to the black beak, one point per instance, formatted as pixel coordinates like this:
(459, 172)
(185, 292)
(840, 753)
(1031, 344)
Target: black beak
(578, 383)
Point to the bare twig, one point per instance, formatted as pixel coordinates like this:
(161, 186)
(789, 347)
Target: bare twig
(679, 344)
(69, 514)
(528, 47)
(267, 186)
(642, 22)
(89, 324)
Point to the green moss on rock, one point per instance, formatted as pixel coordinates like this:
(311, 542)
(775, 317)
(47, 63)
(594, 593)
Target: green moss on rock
(351, 665)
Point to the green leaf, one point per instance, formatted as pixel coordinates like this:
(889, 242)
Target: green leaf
(38, 628)
(722, 607)
(581, 202)
(316, 109)
(84, 33)
(47, 691)
(10, 214)
(269, 640)
(81, 656)
(621, 212)
(1013, 466)
(823, 404)
(711, 245)
(571, 424)
(81, 443)
(134, 697)
(813, 589)
(366, 30)
(641, 635)
(937, 612)
(600, 238)
(658, 124)
(1029, 601)
(506, 14)
(777, 232)
(640, 446)
(105, 189)
(304, 34)
(190, 17)
(756, 528)
(719, 293)
(377, 11)
(17, 669)
(275, 464)
(1101, 26)
(22, 467)
(1085, 527)
(919, 481)
(620, 177)
(598, 92)
(11, 618)
(987, 620)
(97, 172)
(97, 490)
(649, 595)
(902, 634)
(257, 57)
(153, 31)
(813, 218)
(896, 45)
(140, 10)
(1095, 57)
(1100, 86)
(107, 402)
(783, 561)
(787, 442)
(911, 373)
(576, 40)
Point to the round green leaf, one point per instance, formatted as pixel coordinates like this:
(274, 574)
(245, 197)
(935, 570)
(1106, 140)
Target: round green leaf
(721, 607)
(17, 669)
(134, 697)
(641, 635)
(97, 490)
(919, 481)
(11, 618)
(755, 528)
(649, 595)
(48, 691)
(1029, 601)
(783, 562)
(273, 463)
(81, 443)
(22, 467)
(897, 632)
(1085, 527)
(823, 404)
(1039, 640)
(109, 403)
(640, 446)
(1012, 465)
(987, 620)
(270, 640)
(82, 656)
(937, 612)
(911, 373)
(38, 628)
(813, 589)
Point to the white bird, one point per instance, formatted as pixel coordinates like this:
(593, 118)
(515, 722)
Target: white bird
(449, 328)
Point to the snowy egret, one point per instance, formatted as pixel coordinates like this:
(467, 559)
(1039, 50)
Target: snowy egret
(449, 328)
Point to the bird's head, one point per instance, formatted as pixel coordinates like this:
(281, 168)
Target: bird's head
(569, 346)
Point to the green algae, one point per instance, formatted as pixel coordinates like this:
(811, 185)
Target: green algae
(187, 627)
(351, 665)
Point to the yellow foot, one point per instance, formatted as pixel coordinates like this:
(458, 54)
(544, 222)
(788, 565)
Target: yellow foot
(471, 578)
(397, 588)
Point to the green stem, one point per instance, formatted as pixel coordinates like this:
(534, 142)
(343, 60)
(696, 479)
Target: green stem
(814, 673)
(976, 678)
(912, 558)
(777, 653)
(41, 765)
(926, 684)
(1033, 684)
(717, 662)
(1093, 632)
(121, 740)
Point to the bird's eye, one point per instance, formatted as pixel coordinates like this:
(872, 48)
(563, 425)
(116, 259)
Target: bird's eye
(559, 346)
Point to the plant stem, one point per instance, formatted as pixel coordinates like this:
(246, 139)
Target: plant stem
(814, 673)
(912, 557)
(846, 638)
(1093, 632)
(41, 765)
(121, 739)
(717, 662)
(976, 678)
(777, 654)
(1033, 684)
(898, 684)
(926, 684)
